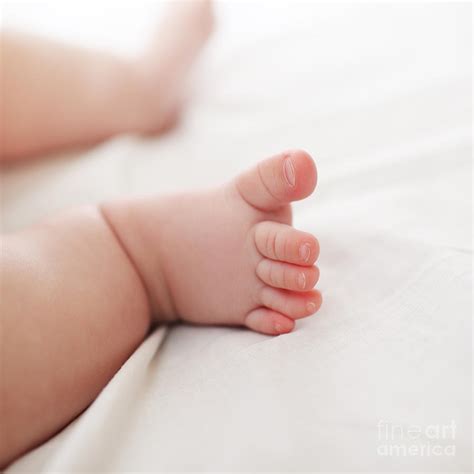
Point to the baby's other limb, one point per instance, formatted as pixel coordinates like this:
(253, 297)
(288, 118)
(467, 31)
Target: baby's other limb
(56, 95)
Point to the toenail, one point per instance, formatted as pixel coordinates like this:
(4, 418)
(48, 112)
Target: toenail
(311, 307)
(305, 252)
(289, 172)
(302, 281)
(278, 327)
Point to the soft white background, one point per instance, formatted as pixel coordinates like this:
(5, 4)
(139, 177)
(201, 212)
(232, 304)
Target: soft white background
(380, 94)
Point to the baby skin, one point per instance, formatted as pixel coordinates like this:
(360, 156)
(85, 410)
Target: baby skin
(80, 291)
(230, 255)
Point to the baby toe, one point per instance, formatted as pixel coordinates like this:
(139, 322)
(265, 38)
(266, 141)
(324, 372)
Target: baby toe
(291, 304)
(287, 276)
(279, 180)
(282, 242)
(266, 321)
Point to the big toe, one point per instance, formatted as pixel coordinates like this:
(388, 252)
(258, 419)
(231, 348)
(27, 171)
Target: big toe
(276, 181)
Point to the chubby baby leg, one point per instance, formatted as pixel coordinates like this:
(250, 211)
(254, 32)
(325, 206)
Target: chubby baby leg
(80, 291)
(73, 309)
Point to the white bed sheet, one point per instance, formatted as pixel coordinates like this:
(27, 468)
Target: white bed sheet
(381, 96)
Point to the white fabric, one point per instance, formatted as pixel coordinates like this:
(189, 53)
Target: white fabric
(381, 96)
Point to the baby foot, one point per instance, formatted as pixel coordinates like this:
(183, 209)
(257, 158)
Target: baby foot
(229, 255)
(168, 58)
